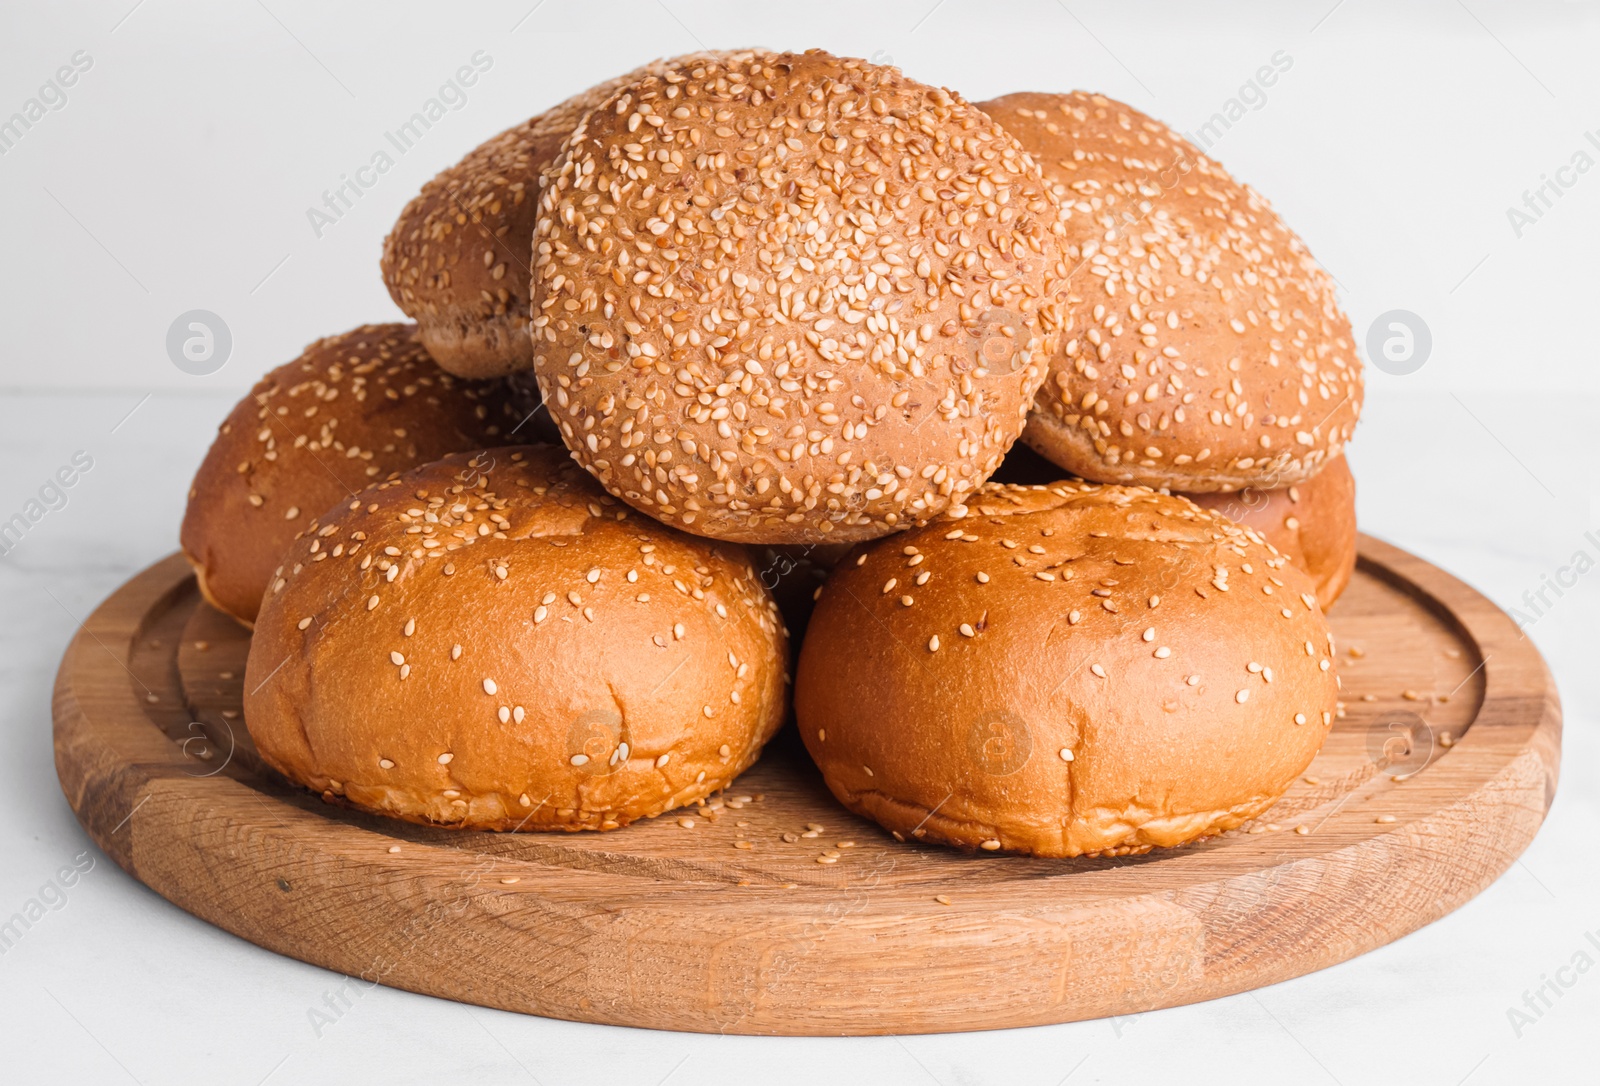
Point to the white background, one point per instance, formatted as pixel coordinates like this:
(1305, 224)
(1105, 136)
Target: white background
(178, 175)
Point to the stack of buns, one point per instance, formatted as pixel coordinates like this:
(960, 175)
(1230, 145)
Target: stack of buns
(781, 319)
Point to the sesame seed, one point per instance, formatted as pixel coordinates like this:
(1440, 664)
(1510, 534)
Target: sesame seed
(933, 643)
(396, 658)
(662, 760)
(1162, 653)
(1149, 634)
(446, 758)
(990, 845)
(1098, 670)
(303, 623)
(579, 759)
(1384, 819)
(1066, 754)
(384, 763)
(490, 686)
(1242, 696)
(455, 652)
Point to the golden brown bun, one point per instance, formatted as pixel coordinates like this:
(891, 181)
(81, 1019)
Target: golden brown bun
(456, 260)
(1313, 523)
(351, 410)
(493, 642)
(792, 298)
(1068, 670)
(1205, 350)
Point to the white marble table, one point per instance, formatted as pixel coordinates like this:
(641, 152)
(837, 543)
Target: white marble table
(178, 174)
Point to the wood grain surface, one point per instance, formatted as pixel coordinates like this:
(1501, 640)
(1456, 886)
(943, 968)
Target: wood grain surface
(771, 910)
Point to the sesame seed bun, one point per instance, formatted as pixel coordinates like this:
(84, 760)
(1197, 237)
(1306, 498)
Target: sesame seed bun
(1205, 350)
(456, 260)
(351, 410)
(792, 298)
(1313, 523)
(493, 642)
(1068, 670)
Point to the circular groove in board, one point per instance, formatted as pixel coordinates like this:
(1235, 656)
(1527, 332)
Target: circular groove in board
(732, 925)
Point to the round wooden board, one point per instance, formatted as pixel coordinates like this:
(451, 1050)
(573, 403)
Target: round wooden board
(673, 926)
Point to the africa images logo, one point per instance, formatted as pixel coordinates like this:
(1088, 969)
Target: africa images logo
(51, 97)
(450, 97)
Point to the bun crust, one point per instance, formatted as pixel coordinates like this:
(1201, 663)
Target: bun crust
(492, 642)
(350, 411)
(1068, 670)
(1205, 350)
(1312, 523)
(756, 278)
(456, 260)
